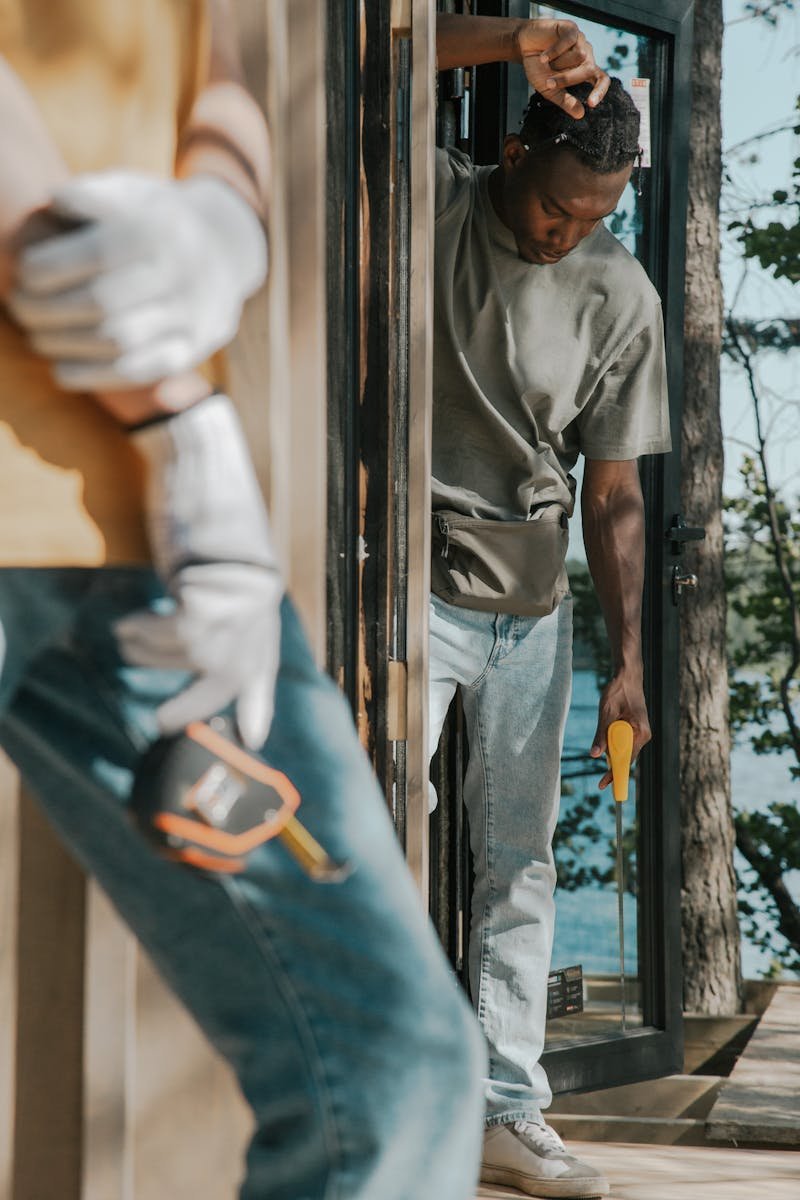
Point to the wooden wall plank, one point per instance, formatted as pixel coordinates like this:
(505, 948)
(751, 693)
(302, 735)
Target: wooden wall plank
(109, 1052)
(48, 1128)
(9, 813)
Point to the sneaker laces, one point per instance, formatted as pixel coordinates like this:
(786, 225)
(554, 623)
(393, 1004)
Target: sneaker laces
(542, 1138)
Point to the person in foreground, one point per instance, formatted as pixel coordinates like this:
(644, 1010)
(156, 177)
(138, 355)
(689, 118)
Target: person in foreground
(132, 205)
(548, 345)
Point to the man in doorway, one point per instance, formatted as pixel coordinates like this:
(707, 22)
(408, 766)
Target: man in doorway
(548, 345)
(138, 163)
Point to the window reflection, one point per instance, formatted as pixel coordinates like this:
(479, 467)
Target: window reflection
(587, 928)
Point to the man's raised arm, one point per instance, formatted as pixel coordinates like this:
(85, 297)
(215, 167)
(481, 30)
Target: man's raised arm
(555, 54)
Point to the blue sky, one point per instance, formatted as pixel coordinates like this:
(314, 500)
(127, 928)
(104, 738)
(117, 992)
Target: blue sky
(761, 81)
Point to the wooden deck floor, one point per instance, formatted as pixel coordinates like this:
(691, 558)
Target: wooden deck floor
(686, 1173)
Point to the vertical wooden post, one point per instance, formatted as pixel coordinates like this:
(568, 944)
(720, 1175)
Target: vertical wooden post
(297, 384)
(381, 434)
(423, 28)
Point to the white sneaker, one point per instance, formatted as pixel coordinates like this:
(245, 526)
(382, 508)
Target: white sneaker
(533, 1159)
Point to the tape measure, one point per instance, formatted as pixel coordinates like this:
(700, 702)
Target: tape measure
(203, 799)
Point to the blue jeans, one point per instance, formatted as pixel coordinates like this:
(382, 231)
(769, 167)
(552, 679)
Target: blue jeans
(333, 1004)
(515, 675)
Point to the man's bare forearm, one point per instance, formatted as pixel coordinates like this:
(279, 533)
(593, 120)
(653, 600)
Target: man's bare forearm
(613, 527)
(613, 530)
(470, 41)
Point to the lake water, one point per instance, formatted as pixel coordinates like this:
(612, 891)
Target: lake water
(586, 918)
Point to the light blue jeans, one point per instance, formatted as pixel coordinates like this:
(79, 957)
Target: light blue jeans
(515, 674)
(333, 1004)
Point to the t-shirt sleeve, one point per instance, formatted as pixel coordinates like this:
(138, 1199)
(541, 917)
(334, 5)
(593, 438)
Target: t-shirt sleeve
(448, 169)
(628, 413)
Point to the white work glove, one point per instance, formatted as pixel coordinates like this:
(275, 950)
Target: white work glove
(151, 284)
(211, 545)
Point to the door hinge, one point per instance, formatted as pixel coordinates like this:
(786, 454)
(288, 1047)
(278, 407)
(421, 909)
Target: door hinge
(397, 701)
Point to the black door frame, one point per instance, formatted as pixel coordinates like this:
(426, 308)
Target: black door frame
(362, 440)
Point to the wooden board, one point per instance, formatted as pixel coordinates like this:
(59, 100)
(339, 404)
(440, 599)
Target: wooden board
(760, 1102)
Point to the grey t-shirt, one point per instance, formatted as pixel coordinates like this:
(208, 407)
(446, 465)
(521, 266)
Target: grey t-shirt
(534, 365)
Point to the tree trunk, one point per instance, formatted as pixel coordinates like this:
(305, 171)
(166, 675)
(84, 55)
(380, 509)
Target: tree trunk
(712, 969)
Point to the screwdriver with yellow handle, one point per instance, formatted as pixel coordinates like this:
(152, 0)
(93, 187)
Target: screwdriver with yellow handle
(620, 749)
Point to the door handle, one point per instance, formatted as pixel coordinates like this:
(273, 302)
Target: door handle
(679, 533)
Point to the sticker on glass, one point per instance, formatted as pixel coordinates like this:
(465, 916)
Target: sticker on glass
(640, 92)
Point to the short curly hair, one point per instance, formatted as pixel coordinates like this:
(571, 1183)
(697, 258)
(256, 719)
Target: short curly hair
(605, 139)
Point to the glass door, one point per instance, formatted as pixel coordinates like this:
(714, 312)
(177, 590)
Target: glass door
(604, 1029)
(597, 923)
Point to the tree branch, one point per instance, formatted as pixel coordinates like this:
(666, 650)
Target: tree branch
(777, 547)
(758, 137)
(769, 11)
(770, 877)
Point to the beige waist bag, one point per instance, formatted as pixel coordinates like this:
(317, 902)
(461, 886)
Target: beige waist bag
(501, 566)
